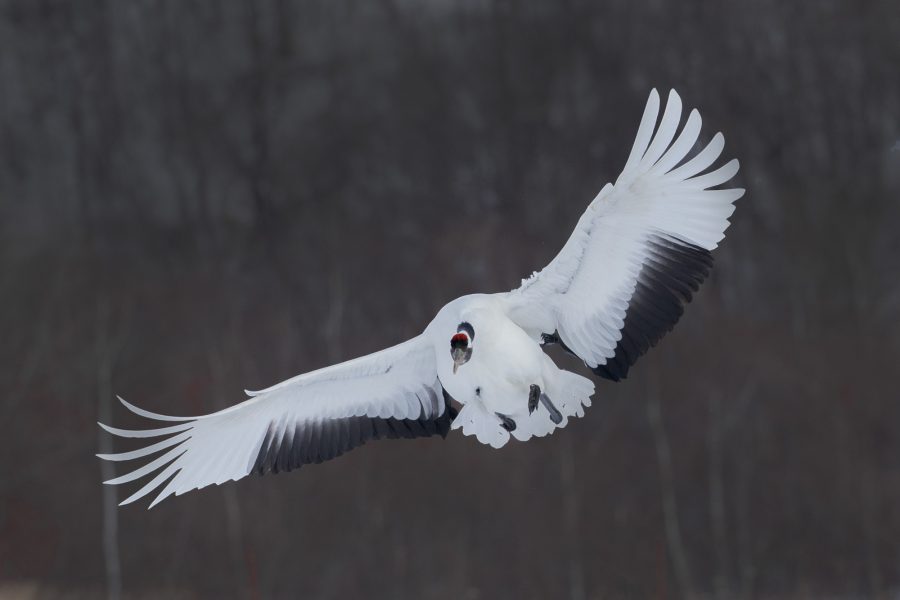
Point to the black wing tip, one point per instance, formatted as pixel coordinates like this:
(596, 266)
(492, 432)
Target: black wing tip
(612, 375)
(319, 441)
(666, 284)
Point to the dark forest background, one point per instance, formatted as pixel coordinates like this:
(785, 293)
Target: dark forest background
(198, 197)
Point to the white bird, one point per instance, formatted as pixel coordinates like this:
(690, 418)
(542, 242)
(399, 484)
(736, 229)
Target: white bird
(618, 285)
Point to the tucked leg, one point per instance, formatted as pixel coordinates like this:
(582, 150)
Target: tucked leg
(555, 415)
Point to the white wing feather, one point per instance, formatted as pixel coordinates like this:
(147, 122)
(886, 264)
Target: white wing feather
(335, 409)
(651, 232)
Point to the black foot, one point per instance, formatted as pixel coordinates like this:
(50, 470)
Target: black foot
(506, 423)
(533, 395)
(555, 415)
(548, 339)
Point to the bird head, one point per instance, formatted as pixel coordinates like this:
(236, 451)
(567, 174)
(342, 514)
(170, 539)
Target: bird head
(461, 345)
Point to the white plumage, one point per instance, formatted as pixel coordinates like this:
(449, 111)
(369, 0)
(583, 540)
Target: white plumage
(618, 285)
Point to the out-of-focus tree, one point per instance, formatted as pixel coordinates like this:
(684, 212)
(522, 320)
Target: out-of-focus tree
(198, 197)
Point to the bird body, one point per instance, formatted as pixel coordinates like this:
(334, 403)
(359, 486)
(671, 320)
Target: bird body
(506, 361)
(619, 284)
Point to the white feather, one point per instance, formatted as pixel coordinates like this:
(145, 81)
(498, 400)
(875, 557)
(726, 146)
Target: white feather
(222, 446)
(584, 292)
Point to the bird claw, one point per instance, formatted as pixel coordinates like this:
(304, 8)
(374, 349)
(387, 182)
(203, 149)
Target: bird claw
(505, 422)
(548, 339)
(534, 395)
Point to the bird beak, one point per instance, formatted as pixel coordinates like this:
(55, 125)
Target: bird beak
(460, 357)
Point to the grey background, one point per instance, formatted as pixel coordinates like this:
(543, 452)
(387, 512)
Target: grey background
(201, 197)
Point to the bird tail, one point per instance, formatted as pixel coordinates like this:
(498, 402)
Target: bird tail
(571, 393)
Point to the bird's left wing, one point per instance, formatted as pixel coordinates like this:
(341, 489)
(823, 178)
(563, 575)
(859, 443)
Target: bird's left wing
(311, 418)
(639, 251)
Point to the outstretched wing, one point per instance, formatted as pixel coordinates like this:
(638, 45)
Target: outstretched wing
(639, 251)
(311, 418)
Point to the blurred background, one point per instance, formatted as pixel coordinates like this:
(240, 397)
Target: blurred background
(198, 197)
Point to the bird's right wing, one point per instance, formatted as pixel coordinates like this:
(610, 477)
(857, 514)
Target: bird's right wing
(310, 418)
(639, 251)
